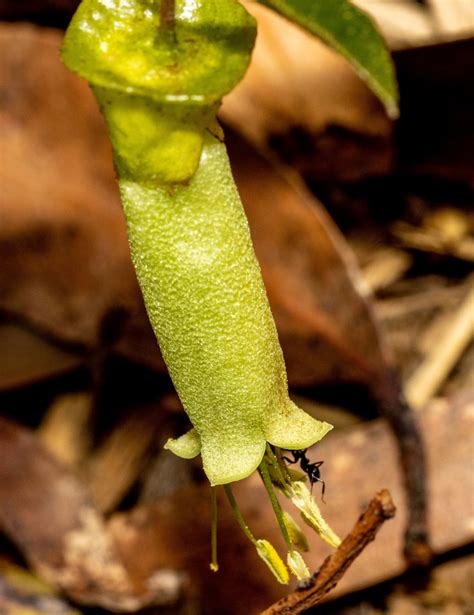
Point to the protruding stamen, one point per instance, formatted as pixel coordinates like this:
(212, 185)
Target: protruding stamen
(214, 566)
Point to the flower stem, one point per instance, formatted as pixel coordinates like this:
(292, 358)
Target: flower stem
(238, 515)
(264, 473)
(282, 464)
(282, 478)
(214, 564)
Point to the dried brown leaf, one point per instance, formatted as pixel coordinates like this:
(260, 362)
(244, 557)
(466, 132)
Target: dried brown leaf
(66, 269)
(305, 101)
(48, 514)
(21, 593)
(25, 357)
(324, 319)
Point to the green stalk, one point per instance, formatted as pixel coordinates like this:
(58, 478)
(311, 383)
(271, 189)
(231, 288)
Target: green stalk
(278, 470)
(282, 465)
(214, 564)
(238, 515)
(264, 473)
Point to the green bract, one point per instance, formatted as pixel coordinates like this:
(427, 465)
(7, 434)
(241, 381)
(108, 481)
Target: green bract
(188, 234)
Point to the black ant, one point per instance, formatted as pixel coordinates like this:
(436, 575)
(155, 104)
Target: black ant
(310, 469)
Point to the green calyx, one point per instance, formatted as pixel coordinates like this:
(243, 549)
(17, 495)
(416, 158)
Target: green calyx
(155, 143)
(159, 90)
(118, 45)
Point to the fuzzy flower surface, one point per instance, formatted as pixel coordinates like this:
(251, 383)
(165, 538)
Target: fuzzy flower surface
(188, 234)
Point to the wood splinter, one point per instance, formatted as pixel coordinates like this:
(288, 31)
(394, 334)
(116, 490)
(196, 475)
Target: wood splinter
(379, 510)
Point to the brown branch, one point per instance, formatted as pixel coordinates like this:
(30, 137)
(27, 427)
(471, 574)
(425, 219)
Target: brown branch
(167, 14)
(403, 423)
(379, 510)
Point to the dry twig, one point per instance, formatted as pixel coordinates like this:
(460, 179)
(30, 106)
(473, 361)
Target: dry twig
(167, 14)
(411, 450)
(443, 356)
(379, 510)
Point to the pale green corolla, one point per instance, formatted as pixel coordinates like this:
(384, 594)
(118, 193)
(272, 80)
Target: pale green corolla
(207, 304)
(189, 238)
(188, 234)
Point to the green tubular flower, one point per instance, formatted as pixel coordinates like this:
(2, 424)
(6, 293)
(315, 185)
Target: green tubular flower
(207, 304)
(188, 234)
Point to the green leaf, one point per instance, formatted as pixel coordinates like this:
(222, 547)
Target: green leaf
(350, 32)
